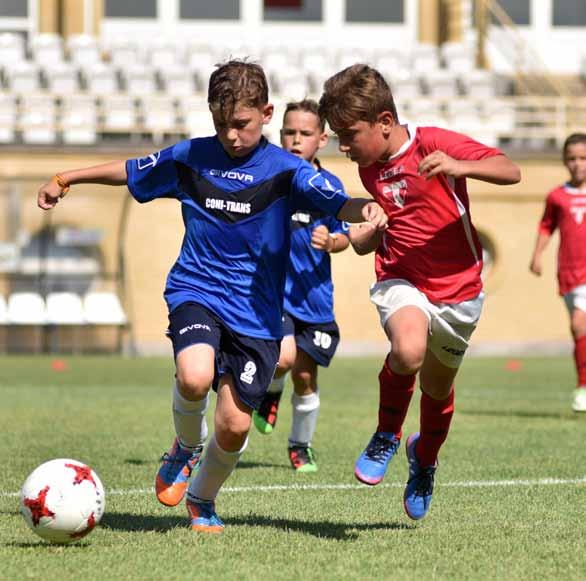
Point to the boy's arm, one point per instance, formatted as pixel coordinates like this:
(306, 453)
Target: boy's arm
(363, 210)
(112, 174)
(322, 239)
(497, 169)
(535, 265)
(365, 238)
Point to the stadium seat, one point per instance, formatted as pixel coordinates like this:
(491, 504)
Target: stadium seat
(7, 117)
(65, 308)
(119, 112)
(46, 48)
(79, 117)
(11, 48)
(3, 311)
(61, 78)
(478, 83)
(391, 64)
(103, 308)
(201, 62)
(424, 111)
(162, 53)
(139, 79)
(290, 84)
(458, 57)
(466, 116)
(159, 116)
(405, 86)
(83, 49)
(23, 76)
(100, 78)
(177, 80)
(26, 308)
(196, 116)
(37, 121)
(424, 58)
(123, 52)
(440, 83)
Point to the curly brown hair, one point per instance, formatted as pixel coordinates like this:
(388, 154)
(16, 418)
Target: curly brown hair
(357, 93)
(237, 82)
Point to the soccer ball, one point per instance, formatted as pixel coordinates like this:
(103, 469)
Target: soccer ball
(62, 500)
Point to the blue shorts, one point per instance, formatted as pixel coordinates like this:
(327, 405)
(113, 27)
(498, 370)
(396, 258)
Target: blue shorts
(251, 362)
(318, 340)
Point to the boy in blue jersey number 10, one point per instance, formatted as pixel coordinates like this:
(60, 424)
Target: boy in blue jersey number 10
(311, 334)
(225, 291)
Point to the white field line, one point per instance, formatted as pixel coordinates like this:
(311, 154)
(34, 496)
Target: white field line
(304, 487)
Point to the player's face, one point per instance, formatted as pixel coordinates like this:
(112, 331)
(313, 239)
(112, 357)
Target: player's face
(240, 133)
(575, 160)
(302, 135)
(363, 142)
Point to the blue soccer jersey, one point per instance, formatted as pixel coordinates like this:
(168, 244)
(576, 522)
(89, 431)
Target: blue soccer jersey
(237, 216)
(309, 291)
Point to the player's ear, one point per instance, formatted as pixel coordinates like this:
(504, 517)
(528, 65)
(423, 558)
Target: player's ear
(267, 113)
(323, 140)
(386, 121)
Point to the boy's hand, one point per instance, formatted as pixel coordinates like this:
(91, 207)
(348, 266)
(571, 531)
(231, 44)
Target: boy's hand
(535, 266)
(50, 194)
(439, 162)
(321, 239)
(373, 213)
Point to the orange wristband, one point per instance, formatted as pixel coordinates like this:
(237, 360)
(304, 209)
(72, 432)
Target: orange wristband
(61, 183)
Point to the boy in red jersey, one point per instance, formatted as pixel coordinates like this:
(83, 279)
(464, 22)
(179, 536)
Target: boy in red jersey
(428, 263)
(565, 208)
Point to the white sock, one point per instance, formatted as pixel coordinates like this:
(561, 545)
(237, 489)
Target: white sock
(190, 420)
(277, 385)
(305, 412)
(216, 466)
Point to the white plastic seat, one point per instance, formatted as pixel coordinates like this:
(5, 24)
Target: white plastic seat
(83, 49)
(479, 83)
(424, 58)
(159, 115)
(177, 80)
(11, 48)
(65, 308)
(100, 78)
(441, 83)
(103, 308)
(7, 117)
(458, 57)
(38, 119)
(62, 78)
(198, 121)
(79, 117)
(47, 48)
(425, 111)
(119, 112)
(139, 79)
(26, 308)
(3, 311)
(290, 84)
(23, 76)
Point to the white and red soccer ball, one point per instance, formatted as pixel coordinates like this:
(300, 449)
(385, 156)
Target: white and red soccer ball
(62, 500)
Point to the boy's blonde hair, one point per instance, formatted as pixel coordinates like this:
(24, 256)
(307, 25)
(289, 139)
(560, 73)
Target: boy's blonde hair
(357, 93)
(308, 106)
(237, 82)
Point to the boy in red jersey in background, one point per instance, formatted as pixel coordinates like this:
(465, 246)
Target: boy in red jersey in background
(428, 263)
(565, 208)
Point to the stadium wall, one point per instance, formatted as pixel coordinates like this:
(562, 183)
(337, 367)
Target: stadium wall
(522, 313)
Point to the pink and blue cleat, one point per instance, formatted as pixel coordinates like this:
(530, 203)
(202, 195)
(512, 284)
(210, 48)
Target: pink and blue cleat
(372, 464)
(419, 489)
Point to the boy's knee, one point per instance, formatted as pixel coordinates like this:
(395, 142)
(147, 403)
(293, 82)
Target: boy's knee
(407, 359)
(231, 434)
(303, 381)
(194, 384)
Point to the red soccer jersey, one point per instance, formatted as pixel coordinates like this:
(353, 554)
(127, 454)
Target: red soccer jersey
(430, 240)
(565, 208)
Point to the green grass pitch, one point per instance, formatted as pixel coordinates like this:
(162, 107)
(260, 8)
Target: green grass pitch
(509, 503)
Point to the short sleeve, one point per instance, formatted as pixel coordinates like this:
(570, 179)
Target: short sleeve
(314, 189)
(456, 145)
(153, 176)
(549, 220)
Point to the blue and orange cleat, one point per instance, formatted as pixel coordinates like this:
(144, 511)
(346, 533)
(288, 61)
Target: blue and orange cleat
(372, 464)
(173, 475)
(419, 489)
(203, 517)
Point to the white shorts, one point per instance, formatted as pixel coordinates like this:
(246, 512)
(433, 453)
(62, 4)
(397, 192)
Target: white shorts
(576, 298)
(450, 325)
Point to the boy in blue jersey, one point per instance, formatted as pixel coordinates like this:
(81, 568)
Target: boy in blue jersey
(225, 291)
(311, 334)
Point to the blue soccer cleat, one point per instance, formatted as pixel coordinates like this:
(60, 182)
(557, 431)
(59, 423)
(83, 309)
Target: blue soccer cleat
(173, 475)
(372, 464)
(203, 517)
(419, 489)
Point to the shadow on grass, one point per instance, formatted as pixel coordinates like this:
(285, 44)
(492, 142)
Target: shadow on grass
(44, 545)
(322, 529)
(243, 464)
(518, 414)
(140, 461)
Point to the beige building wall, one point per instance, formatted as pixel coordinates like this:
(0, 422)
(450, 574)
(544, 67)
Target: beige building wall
(521, 311)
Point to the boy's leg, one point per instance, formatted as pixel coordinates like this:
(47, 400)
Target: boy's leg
(306, 403)
(265, 418)
(407, 329)
(195, 373)
(578, 324)
(232, 423)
